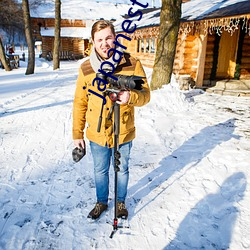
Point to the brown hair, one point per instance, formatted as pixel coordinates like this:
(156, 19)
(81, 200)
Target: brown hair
(101, 24)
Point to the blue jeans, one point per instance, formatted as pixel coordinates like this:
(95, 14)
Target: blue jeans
(102, 158)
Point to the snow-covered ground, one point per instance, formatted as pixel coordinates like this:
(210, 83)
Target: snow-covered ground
(189, 169)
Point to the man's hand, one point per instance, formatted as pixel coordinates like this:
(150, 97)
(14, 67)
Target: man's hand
(79, 143)
(123, 97)
(79, 151)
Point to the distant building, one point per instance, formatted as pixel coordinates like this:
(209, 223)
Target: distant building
(74, 37)
(77, 19)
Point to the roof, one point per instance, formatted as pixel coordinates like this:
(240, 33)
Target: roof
(194, 10)
(148, 19)
(208, 9)
(231, 10)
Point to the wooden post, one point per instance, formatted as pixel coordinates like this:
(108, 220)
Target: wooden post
(201, 60)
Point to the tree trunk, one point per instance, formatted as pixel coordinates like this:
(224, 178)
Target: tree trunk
(3, 57)
(29, 38)
(168, 34)
(56, 59)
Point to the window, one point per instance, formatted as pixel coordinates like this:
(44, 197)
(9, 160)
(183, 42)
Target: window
(152, 45)
(146, 45)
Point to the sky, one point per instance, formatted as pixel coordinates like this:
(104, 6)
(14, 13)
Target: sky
(189, 169)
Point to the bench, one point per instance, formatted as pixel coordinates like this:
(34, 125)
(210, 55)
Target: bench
(13, 61)
(63, 55)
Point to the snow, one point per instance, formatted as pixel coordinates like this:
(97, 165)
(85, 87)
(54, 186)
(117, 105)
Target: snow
(196, 9)
(192, 10)
(148, 19)
(189, 169)
(80, 32)
(85, 10)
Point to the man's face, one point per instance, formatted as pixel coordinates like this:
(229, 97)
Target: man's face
(103, 42)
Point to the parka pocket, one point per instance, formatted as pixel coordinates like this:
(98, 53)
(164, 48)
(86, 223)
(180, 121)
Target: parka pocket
(127, 119)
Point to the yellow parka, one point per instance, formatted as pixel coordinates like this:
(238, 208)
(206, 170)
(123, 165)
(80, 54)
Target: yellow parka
(87, 106)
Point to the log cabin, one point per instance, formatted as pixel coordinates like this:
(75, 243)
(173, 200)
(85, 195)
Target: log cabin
(74, 37)
(213, 41)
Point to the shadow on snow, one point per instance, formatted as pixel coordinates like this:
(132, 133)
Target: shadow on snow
(23, 110)
(210, 223)
(189, 155)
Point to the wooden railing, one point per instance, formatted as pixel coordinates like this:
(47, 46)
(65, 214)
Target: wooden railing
(64, 55)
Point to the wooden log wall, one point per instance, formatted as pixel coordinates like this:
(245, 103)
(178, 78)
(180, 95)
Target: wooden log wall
(191, 55)
(186, 55)
(79, 46)
(178, 61)
(146, 58)
(73, 45)
(66, 44)
(146, 55)
(209, 57)
(50, 22)
(47, 45)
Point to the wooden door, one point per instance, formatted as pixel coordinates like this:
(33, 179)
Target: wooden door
(227, 55)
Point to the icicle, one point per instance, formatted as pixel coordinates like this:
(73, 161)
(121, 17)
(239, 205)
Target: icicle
(216, 25)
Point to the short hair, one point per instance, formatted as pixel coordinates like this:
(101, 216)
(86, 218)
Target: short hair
(100, 25)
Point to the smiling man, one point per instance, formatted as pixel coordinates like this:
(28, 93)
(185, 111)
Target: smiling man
(103, 40)
(107, 56)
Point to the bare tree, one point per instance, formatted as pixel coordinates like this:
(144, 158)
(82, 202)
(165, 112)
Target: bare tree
(11, 24)
(28, 33)
(56, 59)
(3, 57)
(11, 16)
(168, 34)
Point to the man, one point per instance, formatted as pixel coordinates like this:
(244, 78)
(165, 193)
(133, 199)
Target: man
(86, 108)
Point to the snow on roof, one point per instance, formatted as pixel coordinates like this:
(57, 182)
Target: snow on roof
(80, 32)
(92, 10)
(82, 10)
(151, 18)
(197, 9)
(194, 10)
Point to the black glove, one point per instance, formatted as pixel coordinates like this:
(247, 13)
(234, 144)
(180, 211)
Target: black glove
(78, 153)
